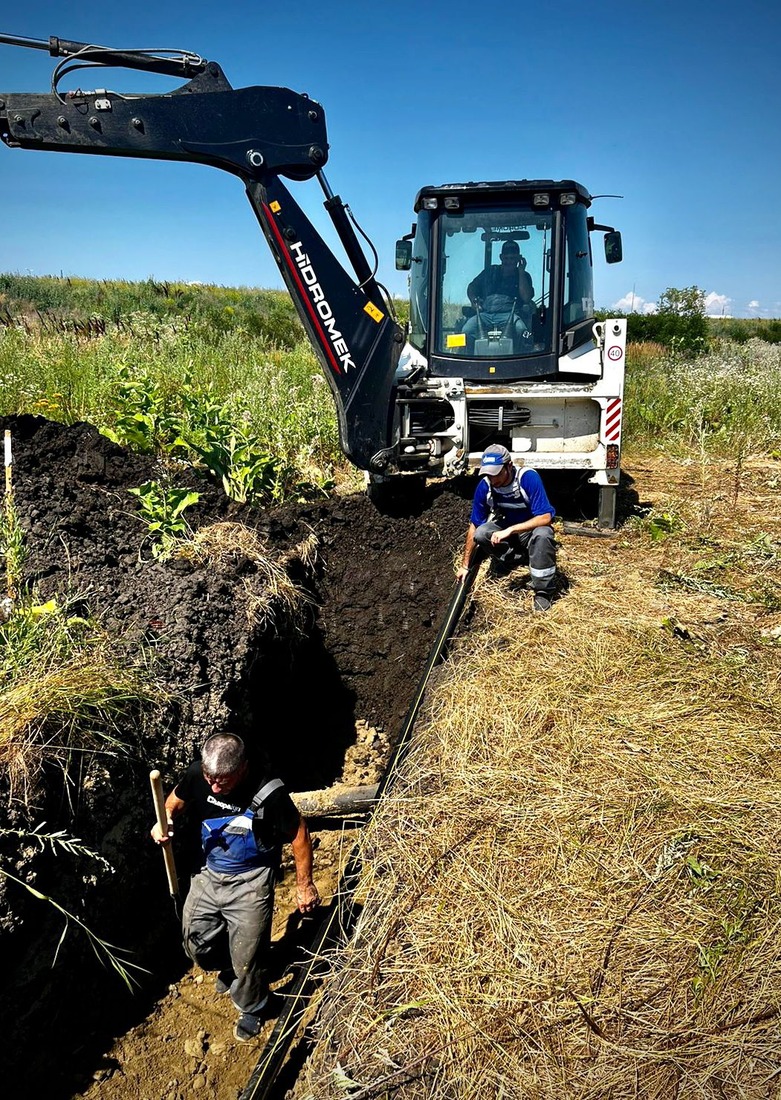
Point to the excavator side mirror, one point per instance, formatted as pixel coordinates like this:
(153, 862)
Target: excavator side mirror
(614, 252)
(403, 255)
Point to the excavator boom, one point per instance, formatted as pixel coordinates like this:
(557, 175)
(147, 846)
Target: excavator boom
(260, 134)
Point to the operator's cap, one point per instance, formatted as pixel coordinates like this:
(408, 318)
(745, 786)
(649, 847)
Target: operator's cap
(494, 458)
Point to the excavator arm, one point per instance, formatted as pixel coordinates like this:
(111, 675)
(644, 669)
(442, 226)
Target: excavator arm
(260, 134)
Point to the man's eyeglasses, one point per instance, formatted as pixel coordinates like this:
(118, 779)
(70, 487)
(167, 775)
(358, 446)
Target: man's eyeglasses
(217, 778)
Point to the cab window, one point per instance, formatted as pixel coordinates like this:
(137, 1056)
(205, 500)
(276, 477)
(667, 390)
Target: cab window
(494, 283)
(578, 268)
(418, 283)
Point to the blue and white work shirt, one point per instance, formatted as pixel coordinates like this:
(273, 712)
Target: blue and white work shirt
(522, 499)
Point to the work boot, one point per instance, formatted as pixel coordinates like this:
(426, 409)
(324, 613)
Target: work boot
(542, 602)
(248, 1026)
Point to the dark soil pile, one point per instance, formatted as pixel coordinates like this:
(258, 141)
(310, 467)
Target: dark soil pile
(377, 596)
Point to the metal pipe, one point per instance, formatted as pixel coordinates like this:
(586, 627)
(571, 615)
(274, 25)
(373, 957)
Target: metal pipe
(337, 212)
(29, 43)
(186, 64)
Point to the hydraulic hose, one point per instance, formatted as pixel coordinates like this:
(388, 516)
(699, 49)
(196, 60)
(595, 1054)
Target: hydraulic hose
(340, 917)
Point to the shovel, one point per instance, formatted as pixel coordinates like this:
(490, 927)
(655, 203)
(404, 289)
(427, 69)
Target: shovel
(162, 820)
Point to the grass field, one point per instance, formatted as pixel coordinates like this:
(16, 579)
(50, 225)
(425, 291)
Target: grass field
(179, 368)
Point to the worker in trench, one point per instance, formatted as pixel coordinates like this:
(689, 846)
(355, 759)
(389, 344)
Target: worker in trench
(245, 816)
(512, 520)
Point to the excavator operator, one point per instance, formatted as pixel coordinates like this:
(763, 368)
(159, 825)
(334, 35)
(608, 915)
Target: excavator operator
(502, 295)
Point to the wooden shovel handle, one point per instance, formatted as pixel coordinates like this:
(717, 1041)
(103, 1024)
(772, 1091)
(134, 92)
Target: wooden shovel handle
(156, 782)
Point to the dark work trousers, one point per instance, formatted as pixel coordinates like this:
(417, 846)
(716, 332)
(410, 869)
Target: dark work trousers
(227, 923)
(536, 546)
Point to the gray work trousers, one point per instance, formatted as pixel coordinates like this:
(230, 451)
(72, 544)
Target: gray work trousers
(226, 923)
(536, 546)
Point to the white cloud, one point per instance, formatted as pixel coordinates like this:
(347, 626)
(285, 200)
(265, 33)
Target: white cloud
(717, 305)
(633, 303)
(755, 308)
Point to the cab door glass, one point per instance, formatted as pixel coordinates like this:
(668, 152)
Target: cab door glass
(494, 283)
(418, 283)
(578, 268)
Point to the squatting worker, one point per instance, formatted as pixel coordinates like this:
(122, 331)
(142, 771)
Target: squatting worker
(511, 520)
(246, 816)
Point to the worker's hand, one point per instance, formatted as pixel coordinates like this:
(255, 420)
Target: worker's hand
(500, 536)
(462, 572)
(307, 897)
(161, 837)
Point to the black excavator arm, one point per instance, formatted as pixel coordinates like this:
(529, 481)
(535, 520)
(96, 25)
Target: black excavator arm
(259, 134)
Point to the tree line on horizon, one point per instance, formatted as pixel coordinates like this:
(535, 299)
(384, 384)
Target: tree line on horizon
(680, 323)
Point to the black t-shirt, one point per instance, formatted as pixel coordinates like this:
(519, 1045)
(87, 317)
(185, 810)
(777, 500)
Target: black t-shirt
(494, 282)
(280, 816)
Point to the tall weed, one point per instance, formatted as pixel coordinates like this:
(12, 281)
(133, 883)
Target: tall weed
(137, 382)
(724, 402)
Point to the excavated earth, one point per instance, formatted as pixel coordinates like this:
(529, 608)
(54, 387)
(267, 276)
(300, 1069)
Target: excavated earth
(323, 695)
(324, 701)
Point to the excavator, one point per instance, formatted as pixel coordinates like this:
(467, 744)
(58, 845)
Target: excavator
(497, 349)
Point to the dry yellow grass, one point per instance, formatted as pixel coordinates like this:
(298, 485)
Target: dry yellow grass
(572, 889)
(272, 597)
(60, 711)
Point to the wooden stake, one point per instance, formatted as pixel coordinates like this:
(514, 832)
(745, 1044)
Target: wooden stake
(9, 463)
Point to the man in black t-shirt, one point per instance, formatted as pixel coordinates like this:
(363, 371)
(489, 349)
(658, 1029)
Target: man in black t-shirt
(245, 817)
(503, 297)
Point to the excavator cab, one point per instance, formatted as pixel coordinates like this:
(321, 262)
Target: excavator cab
(469, 302)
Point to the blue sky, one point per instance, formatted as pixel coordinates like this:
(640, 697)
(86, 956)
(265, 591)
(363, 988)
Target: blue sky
(675, 106)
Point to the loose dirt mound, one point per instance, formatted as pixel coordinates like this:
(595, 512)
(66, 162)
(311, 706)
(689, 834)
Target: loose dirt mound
(376, 590)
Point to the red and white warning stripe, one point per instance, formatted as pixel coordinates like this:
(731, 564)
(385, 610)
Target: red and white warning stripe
(613, 420)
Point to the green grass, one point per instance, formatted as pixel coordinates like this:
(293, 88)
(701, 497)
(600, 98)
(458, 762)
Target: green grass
(73, 349)
(71, 303)
(724, 402)
(273, 394)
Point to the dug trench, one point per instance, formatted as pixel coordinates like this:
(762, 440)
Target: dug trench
(321, 686)
(320, 689)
